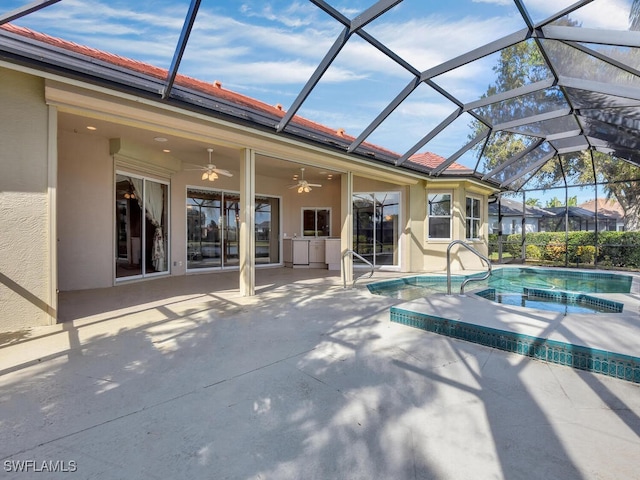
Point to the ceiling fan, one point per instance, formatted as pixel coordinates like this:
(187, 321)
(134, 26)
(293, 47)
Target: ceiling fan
(303, 185)
(210, 172)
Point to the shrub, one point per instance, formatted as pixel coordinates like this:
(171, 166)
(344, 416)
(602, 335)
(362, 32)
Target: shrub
(534, 252)
(614, 249)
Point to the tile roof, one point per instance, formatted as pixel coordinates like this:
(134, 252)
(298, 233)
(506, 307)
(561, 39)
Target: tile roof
(426, 160)
(611, 208)
(432, 160)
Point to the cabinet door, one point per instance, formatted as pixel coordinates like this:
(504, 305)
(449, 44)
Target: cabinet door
(316, 251)
(300, 252)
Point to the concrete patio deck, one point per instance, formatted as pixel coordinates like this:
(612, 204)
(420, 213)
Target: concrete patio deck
(183, 378)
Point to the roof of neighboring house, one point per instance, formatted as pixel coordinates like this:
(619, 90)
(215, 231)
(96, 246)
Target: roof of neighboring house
(578, 212)
(609, 207)
(75, 60)
(513, 208)
(510, 208)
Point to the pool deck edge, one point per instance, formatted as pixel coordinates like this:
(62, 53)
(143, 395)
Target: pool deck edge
(580, 340)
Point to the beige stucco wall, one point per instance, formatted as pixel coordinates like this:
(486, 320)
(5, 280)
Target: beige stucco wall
(85, 211)
(435, 252)
(328, 196)
(25, 280)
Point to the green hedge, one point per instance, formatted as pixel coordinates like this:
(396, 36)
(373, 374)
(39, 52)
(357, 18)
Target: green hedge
(614, 249)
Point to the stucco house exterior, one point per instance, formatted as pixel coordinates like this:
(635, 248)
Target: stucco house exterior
(103, 182)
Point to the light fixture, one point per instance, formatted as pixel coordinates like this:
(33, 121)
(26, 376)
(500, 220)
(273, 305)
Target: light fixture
(129, 194)
(210, 172)
(160, 139)
(302, 185)
(91, 127)
(211, 176)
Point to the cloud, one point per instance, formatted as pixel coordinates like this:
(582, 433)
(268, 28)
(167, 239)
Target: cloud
(612, 14)
(295, 15)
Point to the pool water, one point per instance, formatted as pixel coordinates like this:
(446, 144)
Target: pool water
(509, 285)
(553, 300)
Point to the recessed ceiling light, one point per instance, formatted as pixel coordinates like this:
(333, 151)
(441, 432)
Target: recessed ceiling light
(90, 127)
(166, 150)
(160, 139)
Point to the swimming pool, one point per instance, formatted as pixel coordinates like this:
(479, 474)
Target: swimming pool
(513, 281)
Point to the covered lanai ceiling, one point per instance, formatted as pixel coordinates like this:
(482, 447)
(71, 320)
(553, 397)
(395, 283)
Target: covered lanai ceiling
(409, 76)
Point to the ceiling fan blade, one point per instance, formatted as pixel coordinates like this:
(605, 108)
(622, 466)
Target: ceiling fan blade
(314, 185)
(226, 173)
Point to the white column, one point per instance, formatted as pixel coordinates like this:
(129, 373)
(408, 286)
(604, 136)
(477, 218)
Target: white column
(247, 223)
(52, 186)
(346, 234)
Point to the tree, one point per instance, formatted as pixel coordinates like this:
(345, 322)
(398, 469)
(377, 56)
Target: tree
(533, 202)
(522, 64)
(556, 202)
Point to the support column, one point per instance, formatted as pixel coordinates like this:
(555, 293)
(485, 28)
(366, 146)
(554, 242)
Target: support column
(52, 189)
(247, 248)
(346, 233)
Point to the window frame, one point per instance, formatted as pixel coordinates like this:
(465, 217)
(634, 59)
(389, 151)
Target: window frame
(123, 171)
(430, 216)
(315, 216)
(473, 218)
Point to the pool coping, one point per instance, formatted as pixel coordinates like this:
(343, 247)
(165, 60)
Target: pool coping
(604, 343)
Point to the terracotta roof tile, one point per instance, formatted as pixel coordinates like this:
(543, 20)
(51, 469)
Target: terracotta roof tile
(432, 160)
(215, 89)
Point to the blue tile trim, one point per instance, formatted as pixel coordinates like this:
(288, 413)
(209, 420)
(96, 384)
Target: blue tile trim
(500, 272)
(559, 296)
(624, 367)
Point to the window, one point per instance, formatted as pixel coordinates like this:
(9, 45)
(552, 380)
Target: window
(473, 218)
(316, 222)
(439, 212)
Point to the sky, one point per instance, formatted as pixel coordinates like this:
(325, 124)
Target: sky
(268, 50)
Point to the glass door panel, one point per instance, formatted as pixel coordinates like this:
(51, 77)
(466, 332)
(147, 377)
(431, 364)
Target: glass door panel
(363, 226)
(156, 222)
(128, 228)
(231, 230)
(267, 228)
(142, 219)
(375, 227)
(387, 208)
(204, 239)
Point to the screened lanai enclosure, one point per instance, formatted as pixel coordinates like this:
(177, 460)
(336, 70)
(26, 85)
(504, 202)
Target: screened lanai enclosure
(539, 99)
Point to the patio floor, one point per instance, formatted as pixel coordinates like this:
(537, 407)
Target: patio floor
(183, 378)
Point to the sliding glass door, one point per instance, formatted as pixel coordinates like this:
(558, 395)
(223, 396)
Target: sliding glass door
(267, 230)
(142, 220)
(375, 227)
(231, 234)
(213, 228)
(204, 241)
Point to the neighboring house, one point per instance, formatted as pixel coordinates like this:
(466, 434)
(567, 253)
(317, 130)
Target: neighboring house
(552, 219)
(511, 212)
(580, 219)
(610, 211)
(104, 182)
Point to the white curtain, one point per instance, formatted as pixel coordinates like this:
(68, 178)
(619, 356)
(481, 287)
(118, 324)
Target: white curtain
(154, 202)
(137, 188)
